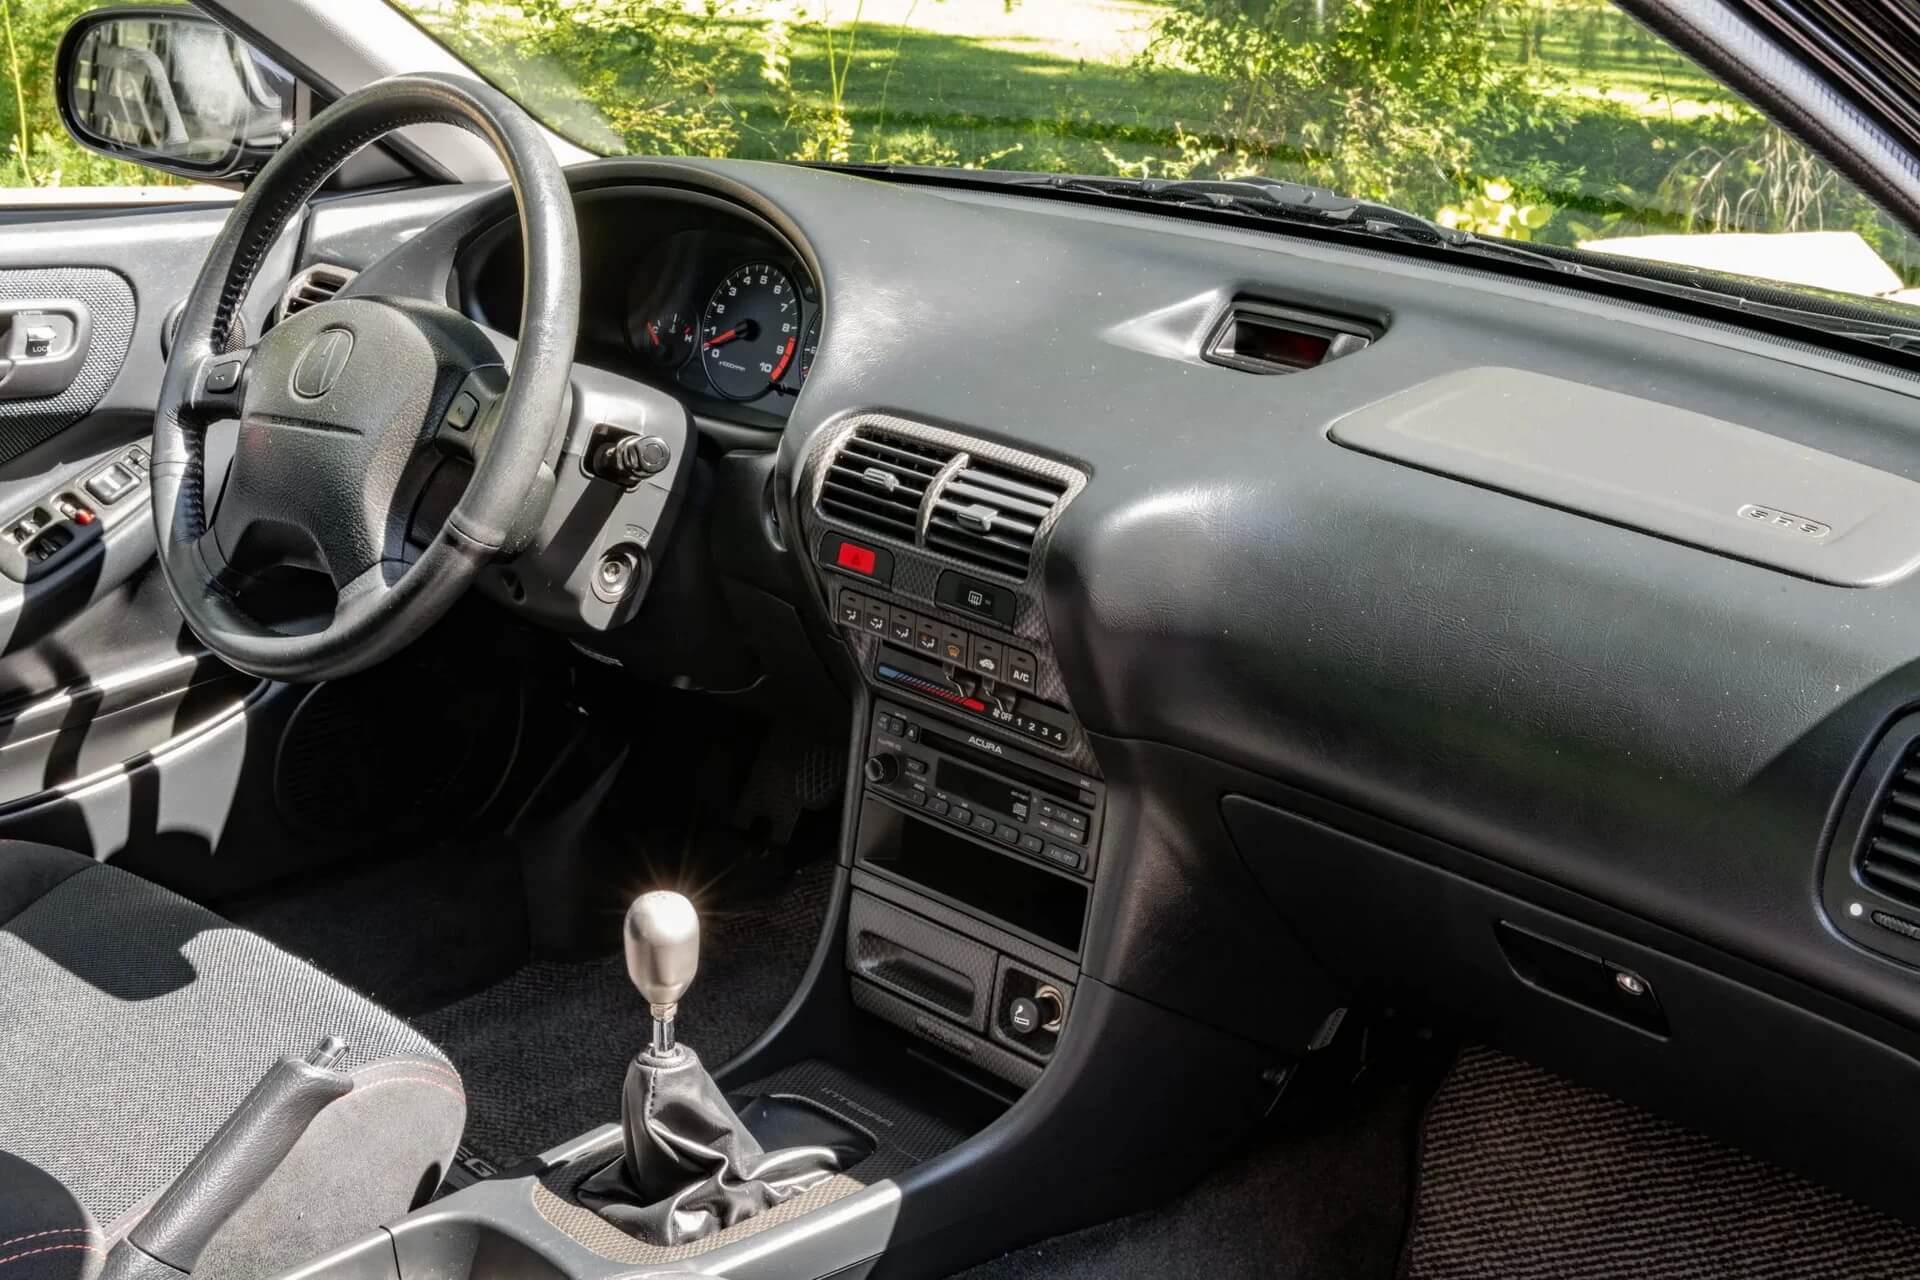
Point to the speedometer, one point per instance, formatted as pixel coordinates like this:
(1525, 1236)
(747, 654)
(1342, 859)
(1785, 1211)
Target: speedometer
(750, 332)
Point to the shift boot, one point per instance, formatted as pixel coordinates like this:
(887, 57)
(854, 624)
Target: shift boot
(690, 1166)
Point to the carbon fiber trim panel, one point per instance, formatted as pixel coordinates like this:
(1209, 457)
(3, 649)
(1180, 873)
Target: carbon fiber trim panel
(109, 299)
(917, 568)
(922, 961)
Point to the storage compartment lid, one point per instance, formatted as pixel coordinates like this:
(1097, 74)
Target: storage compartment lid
(1652, 467)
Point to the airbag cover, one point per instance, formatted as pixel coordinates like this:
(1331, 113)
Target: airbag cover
(1652, 467)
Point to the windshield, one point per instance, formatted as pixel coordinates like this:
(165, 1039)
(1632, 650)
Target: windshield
(1561, 121)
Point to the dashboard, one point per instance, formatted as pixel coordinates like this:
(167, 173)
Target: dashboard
(680, 292)
(1367, 674)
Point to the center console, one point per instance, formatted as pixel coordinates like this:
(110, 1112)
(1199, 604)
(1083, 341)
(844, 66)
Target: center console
(973, 865)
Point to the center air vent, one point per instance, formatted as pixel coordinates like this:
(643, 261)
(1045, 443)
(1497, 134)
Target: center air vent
(932, 488)
(1888, 852)
(991, 517)
(878, 480)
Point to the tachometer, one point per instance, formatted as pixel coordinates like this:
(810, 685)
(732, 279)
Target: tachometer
(750, 333)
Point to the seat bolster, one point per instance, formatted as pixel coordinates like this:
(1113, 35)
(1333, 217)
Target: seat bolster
(28, 872)
(44, 1232)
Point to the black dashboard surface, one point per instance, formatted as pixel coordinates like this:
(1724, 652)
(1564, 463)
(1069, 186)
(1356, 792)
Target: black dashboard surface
(1649, 727)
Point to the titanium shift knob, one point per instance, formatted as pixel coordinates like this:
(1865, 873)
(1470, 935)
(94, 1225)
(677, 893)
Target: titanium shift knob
(662, 937)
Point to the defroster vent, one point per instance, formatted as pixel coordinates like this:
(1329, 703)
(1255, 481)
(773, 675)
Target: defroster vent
(877, 482)
(1889, 849)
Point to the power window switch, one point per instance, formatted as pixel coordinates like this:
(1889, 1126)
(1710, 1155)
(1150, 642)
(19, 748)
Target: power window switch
(112, 484)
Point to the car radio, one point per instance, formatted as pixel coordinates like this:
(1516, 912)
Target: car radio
(972, 784)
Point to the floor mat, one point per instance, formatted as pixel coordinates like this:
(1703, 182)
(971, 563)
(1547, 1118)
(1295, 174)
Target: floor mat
(544, 1052)
(1525, 1175)
(412, 932)
(1327, 1202)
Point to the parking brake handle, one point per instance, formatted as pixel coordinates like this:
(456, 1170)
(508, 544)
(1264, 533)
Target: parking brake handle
(236, 1160)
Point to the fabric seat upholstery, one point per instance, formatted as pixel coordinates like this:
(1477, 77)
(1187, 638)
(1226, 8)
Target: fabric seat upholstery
(132, 1022)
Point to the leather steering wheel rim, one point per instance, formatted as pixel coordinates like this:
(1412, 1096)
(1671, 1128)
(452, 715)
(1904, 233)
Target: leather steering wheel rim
(395, 599)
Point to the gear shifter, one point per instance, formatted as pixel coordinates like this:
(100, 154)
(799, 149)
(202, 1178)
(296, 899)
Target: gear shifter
(690, 1165)
(663, 953)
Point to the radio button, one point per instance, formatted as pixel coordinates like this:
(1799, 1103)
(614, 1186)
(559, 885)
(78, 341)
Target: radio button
(936, 806)
(916, 798)
(916, 766)
(1030, 842)
(1065, 857)
(1078, 821)
(983, 822)
(1007, 834)
(962, 816)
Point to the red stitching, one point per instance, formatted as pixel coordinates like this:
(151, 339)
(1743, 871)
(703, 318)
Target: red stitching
(52, 1248)
(422, 1063)
(441, 1085)
(52, 1231)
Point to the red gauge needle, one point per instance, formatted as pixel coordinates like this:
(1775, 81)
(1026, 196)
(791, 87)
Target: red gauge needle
(785, 357)
(653, 333)
(719, 339)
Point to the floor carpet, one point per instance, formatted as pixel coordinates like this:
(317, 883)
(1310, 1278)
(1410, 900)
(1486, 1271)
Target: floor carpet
(1526, 1176)
(543, 1053)
(1326, 1201)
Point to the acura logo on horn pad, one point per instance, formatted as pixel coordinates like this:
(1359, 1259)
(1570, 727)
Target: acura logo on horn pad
(321, 363)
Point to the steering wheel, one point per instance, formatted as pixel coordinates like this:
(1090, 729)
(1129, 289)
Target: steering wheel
(349, 408)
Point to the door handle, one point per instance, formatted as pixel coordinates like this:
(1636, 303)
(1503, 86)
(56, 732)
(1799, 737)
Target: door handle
(43, 342)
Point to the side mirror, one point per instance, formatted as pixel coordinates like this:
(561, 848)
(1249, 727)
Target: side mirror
(172, 90)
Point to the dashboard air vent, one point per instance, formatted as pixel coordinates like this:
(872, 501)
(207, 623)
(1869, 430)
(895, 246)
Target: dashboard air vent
(1889, 848)
(878, 480)
(991, 517)
(315, 285)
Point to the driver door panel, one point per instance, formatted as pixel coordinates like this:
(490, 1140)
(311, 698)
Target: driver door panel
(120, 736)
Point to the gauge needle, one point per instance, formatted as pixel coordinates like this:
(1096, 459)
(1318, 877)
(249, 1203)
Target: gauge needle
(653, 333)
(785, 356)
(719, 339)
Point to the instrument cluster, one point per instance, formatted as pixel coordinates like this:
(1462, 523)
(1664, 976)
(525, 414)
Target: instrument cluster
(720, 315)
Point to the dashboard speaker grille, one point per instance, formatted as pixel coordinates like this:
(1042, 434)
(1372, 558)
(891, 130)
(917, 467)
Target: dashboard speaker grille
(1889, 851)
(991, 517)
(878, 481)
